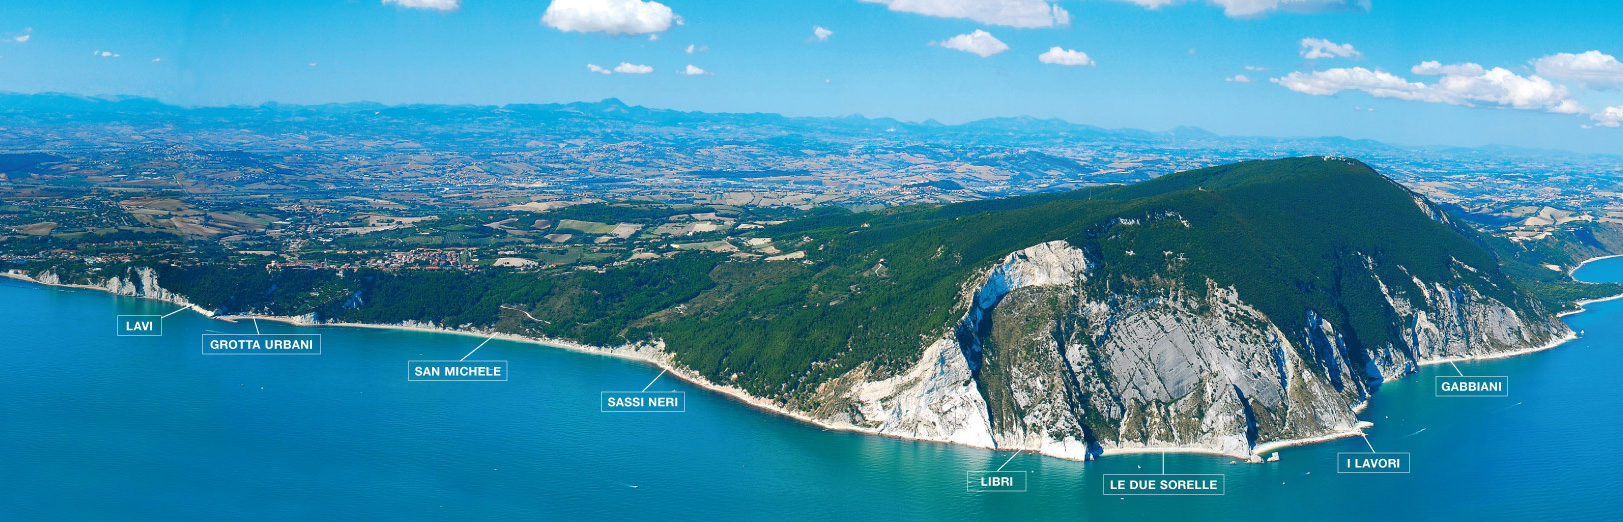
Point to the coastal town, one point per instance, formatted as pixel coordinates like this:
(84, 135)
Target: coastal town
(384, 193)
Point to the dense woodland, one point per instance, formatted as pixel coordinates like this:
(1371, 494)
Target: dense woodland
(1292, 236)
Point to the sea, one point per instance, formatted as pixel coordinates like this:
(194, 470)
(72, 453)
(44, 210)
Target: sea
(94, 426)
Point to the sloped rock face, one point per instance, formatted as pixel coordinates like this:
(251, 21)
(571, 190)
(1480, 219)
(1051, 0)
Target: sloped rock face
(935, 400)
(135, 282)
(1156, 371)
(1043, 360)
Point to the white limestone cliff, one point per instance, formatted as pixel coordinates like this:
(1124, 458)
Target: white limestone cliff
(1036, 363)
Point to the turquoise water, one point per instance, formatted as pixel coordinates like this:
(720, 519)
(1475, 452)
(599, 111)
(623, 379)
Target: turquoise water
(98, 427)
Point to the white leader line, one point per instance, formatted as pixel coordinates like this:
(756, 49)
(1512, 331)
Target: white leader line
(476, 348)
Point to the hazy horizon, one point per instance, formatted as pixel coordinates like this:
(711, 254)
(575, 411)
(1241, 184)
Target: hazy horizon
(836, 116)
(1440, 72)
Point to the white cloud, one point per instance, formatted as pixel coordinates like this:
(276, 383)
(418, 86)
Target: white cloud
(312, 64)
(1152, 4)
(609, 16)
(1013, 13)
(105, 54)
(692, 71)
(1255, 8)
(156, 60)
(979, 42)
(22, 38)
(1608, 117)
(1435, 68)
(439, 5)
(631, 68)
(653, 37)
(692, 49)
(1332, 81)
(1255, 68)
(1060, 56)
(1317, 48)
(1462, 84)
(821, 34)
(1238, 78)
(1465, 84)
(1592, 70)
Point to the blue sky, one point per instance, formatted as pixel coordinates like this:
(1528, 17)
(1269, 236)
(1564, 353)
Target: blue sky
(1539, 74)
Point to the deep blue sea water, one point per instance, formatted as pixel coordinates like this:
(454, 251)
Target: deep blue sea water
(98, 427)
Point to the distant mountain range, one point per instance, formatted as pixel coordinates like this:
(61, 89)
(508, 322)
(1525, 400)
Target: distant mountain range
(57, 108)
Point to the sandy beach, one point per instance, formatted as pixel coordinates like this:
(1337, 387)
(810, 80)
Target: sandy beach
(657, 357)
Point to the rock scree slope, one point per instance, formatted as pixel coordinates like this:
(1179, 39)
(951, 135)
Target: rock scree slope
(1216, 310)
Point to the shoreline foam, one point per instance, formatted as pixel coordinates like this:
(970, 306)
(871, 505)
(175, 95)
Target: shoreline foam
(655, 356)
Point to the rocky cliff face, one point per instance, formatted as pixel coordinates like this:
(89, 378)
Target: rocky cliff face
(136, 282)
(1047, 358)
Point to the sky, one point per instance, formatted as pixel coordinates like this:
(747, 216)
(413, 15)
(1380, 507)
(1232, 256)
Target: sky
(1411, 72)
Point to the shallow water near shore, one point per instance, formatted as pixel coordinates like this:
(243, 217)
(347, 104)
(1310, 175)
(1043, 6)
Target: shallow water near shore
(99, 427)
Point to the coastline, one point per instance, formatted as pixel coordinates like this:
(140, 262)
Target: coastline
(1282, 444)
(26, 279)
(1571, 335)
(660, 361)
(1587, 261)
(651, 355)
(1581, 303)
(654, 355)
(1505, 354)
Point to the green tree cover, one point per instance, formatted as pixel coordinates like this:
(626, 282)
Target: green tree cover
(1291, 236)
(591, 307)
(1525, 261)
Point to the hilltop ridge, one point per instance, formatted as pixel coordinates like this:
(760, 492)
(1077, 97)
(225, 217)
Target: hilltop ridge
(1217, 309)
